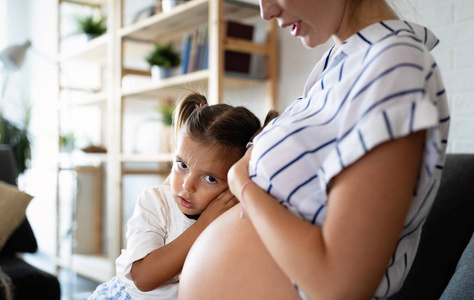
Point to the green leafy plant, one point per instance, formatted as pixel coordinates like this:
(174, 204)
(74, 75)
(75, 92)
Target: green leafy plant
(67, 141)
(91, 24)
(166, 111)
(164, 56)
(19, 141)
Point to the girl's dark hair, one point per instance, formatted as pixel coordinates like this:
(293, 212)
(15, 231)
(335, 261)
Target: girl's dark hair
(220, 124)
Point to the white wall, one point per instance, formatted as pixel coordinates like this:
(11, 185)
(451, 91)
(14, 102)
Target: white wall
(453, 22)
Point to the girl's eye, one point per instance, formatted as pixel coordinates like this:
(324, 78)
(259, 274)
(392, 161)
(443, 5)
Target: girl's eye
(182, 165)
(210, 179)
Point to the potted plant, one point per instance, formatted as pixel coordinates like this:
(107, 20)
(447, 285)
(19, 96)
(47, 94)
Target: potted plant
(67, 142)
(18, 140)
(163, 60)
(166, 110)
(155, 133)
(91, 25)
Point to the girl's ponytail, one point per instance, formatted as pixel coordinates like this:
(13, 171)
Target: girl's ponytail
(186, 107)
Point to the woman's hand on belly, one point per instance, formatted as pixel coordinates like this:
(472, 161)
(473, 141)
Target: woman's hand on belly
(229, 261)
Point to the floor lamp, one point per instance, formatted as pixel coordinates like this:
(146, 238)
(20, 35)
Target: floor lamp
(12, 58)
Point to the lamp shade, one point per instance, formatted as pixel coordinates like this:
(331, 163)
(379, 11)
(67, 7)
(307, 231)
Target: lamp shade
(12, 57)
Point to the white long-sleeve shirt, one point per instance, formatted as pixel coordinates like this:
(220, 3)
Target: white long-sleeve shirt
(156, 222)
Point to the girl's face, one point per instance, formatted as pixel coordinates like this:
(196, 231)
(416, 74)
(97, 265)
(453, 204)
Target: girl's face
(199, 174)
(313, 21)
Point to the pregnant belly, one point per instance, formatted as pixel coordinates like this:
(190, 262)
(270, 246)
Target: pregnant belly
(229, 261)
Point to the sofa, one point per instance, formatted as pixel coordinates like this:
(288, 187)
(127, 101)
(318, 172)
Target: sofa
(437, 271)
(18, 279)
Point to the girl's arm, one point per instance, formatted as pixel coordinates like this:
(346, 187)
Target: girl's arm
(367, 206)
(164, 263)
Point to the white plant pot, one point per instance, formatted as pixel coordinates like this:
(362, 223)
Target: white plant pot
(158, 73)
(167, 5)
(88, 37)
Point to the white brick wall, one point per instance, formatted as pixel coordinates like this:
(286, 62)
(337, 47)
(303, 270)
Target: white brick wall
(453, 22)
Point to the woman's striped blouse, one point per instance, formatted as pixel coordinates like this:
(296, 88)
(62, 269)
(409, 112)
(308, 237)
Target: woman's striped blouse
(380, 84)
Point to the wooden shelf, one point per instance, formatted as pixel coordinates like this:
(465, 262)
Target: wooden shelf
(170, 85)
(180, 84)
(184, 16)
(94, 50)
(118, 55)
(86, 2)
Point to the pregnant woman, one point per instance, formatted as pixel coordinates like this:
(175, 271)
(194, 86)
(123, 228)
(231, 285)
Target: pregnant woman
(334, 192)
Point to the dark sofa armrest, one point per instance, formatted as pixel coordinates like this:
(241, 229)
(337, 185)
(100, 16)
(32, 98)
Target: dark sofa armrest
(446, 232)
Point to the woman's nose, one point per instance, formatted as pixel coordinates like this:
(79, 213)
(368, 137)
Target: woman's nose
(268, 10)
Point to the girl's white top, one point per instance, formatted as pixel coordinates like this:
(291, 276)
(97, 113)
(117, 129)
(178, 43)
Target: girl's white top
(156, 222)
(380, 85)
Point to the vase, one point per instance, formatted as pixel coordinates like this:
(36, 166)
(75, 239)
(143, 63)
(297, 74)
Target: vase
(167, 5)
(158, 72)
(90, 36)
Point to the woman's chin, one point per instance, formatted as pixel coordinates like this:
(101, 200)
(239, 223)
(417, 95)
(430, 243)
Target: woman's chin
(228, 256)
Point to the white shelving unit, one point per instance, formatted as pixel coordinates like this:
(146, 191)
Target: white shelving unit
(110, 53)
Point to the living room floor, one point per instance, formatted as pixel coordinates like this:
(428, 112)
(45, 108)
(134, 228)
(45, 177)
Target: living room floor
(75, 287)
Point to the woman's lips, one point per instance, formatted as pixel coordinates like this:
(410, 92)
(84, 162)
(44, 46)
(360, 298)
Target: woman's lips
(185, 203)
(296, 28)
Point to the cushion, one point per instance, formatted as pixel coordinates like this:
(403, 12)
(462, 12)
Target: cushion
(13, 204)
(23, 238)
(461, 285)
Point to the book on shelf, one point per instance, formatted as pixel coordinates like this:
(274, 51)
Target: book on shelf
(185, 51)
(201, 49)
(238, 62)
(195, 50)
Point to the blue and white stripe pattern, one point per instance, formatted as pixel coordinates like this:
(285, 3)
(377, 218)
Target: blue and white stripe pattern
(110, 290)
(381, 84)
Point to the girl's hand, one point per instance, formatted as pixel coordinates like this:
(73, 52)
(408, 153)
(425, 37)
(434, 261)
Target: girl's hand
(239, 173)
(218, 206)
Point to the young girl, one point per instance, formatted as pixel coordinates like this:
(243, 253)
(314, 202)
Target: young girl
(168, 218)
